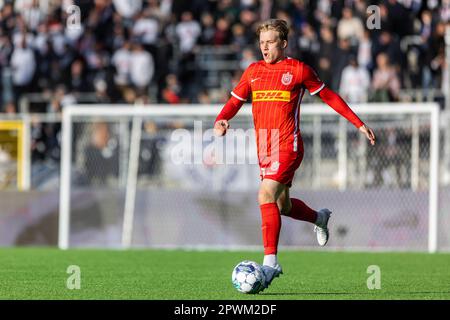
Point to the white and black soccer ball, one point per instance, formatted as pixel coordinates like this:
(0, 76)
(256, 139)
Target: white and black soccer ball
(248, 277)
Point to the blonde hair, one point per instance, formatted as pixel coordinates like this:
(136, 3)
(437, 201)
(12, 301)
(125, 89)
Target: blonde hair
(276, 25)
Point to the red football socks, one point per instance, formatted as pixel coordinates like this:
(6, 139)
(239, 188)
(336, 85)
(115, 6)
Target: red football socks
(300, 211)
(271, 221)
(271, 225)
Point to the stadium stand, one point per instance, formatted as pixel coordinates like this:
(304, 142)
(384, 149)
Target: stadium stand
(173, 51)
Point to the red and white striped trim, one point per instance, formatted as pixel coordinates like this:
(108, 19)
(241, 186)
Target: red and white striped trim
(237, 97)
(321, 87)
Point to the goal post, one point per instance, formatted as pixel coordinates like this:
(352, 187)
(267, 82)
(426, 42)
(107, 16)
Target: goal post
(423, 115)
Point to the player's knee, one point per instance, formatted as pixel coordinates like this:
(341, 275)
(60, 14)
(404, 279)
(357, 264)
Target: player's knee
(265, 196)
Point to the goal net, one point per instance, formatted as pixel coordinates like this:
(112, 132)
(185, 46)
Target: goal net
(155, 176)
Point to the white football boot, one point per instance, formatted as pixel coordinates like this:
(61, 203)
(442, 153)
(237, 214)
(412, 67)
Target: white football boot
(270, 273)
(321, 227)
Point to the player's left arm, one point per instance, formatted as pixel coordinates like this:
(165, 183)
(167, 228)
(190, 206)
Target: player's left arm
(315, 86)
(337, 103)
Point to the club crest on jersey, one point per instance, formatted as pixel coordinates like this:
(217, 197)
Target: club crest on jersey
(286, 79)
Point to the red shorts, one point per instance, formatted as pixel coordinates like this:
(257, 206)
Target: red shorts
(281, 169)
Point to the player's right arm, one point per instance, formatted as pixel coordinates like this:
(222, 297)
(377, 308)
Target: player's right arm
(228, 112)
(238, 97)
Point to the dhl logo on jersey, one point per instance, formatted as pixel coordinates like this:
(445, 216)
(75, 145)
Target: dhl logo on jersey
(271, 95)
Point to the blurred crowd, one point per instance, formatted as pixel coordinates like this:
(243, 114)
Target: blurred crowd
(176, 51)
(148, 49)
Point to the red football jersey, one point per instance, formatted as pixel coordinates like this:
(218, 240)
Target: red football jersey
(276, 93)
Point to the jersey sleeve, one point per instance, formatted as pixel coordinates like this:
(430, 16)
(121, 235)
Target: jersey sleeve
(243, 89)
(337, 103)
(311, 80)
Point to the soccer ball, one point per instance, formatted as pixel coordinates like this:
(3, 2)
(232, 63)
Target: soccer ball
(248, 277)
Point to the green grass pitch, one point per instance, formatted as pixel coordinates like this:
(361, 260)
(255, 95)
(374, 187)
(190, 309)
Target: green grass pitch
(41, 273)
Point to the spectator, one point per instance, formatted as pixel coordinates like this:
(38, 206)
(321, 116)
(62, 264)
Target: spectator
(327, 43)
(435, 58)
(309, 45)
(129, 96)
(146, 29)
(298, 13)
(32, 14)
(119, 38)
(226, 9)
(171, 93)
(76, 79)
(350, 27)
(267, 9)
(101, 155)
(21, 33)
(59, 99)
(238, 38)
(385, 82)
(248, 57)
(399, 19)
(204, 98)
(222, 36)
(340, 60)
(100, 19)
(188, 31)
(325, 70)
(248, 4)
(355, 82)
(426, 28)
(10, 108)
(360, 10)
(128, 9)
(365, 51)
(142, 68)
(438, 65)
(208, 29)
(6, 86)
(23, 66)
(388, 44)
(159, 9)
(444, 12)
(293, 50)
(8, 18)
(248, 18)
(121, 61)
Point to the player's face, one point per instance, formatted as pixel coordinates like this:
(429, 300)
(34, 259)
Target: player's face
(272, 48)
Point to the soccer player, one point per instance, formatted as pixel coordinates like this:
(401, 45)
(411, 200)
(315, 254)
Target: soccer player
(277, 84)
